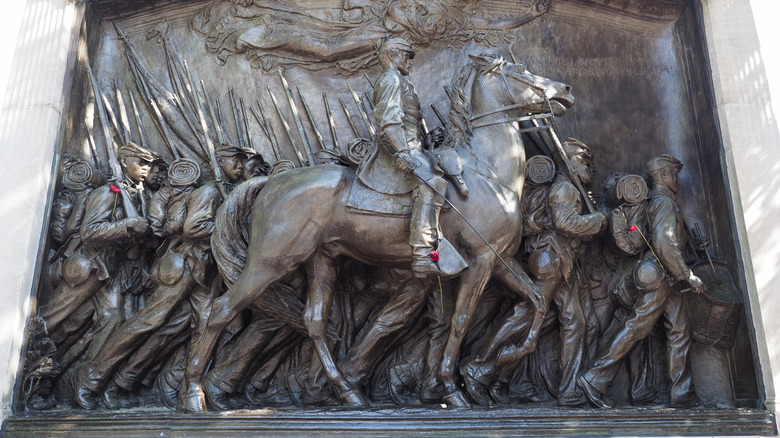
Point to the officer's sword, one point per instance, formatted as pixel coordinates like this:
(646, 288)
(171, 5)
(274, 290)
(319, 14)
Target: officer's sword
(522, 278)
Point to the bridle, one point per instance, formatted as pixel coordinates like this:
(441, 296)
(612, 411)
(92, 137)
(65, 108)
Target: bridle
(538, 91)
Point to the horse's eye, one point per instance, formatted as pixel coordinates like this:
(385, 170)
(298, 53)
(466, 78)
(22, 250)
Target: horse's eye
(521, 68)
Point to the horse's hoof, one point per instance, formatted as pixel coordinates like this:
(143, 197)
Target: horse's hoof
(191, 400)
(353, 398)
(456, 400)
(473, 376)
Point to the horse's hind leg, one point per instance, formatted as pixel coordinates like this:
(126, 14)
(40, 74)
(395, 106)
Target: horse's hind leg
(238, 297)
(321, 273)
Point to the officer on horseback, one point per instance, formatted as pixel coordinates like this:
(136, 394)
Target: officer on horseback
(399, 164)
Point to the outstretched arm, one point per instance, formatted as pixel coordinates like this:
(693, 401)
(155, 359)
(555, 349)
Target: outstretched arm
(539, 8)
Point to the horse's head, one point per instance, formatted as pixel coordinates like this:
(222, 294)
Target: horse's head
(503, 84)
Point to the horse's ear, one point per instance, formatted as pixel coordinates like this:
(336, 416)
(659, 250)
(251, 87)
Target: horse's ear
(482, 59)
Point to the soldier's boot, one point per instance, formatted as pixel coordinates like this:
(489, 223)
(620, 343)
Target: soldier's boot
(425, 227)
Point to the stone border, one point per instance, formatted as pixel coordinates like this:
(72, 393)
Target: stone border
(403, 422)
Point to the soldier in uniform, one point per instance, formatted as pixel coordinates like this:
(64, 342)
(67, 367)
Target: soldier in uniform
(399, 165)
(183, 272)
(552, 261)
(109, 237)
(658, 294)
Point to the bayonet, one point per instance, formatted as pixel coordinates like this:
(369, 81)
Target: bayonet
(92, 148)
(163, 130)
(331, 122)
(138, 123)
(209, 145)
(306, 108)
(237, 119)
(220, 137)
(120, 101)
(246, 124)
(297, 119)
(363, 116)
(286, 127)
(110, 112)
(370, 82)
(117, 174)
(270, 132)
(266, 132)
(349, 118)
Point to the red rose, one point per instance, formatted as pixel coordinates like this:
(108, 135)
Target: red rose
(633, 228)
(435, 256)
(114, 189)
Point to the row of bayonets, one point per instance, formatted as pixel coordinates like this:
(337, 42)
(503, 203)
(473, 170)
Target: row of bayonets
(305, 155)
(107, 115)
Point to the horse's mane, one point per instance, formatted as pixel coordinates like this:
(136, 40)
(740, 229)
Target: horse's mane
(459, 129)
(459, 126)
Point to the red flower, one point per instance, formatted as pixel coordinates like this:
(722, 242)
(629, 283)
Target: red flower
(633, 228)
(435, 256)
(114, 189)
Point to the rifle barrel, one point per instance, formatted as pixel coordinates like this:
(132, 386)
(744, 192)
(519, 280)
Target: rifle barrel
(297, 119)
(349, 118)
(286, 128)
(306, 108)
(331, 122)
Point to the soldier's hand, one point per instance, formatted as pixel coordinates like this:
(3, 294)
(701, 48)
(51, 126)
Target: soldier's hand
(404, 160)
(138, 225)
(697, 286)
(602, 220)
(619, 220)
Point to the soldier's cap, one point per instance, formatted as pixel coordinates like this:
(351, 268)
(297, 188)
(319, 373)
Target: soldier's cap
(396, 44)
(133, 150)
(160, 162)
(227, 150)
(657, 163)
(573, 146)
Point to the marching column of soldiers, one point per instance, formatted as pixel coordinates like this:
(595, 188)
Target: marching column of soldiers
(132, 285)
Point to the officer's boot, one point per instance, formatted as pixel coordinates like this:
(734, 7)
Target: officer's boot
(425, 227)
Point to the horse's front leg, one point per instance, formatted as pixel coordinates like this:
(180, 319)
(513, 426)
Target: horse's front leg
(238, 297)
(321, 273)
(470, 289)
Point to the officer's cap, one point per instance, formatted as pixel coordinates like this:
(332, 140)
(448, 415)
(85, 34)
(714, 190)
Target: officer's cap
(396, 44)
(657, 163)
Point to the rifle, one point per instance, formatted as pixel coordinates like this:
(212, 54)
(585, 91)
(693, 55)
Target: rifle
(137, 115)
(246, 124)
(163, 130)
(306, 108)
(297, 119)
(120, 101)
(113, 163)
(92, 147)
(267, 130)
(286, 127)
(575, 179)
(236, 117)
(220, 137)
(209, 145)
(363, 115)
(331, 122)
(349, 118)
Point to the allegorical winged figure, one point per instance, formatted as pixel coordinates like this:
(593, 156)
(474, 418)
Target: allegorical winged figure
(271, 33)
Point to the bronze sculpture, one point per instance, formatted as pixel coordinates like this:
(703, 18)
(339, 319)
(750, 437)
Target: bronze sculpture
(320, 185)
(369, 336)
(655, 277)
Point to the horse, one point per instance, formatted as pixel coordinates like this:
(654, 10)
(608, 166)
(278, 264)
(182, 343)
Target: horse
(299, 219)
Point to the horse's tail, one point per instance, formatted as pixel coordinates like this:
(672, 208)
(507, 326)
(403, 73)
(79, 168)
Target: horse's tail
(230, 239)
